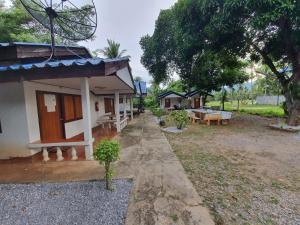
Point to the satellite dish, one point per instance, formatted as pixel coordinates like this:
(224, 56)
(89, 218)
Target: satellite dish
(75, 20)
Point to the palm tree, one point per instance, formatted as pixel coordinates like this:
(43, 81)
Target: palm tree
(112, 50)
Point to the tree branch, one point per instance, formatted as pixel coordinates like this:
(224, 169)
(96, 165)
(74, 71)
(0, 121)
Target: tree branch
(270, 64)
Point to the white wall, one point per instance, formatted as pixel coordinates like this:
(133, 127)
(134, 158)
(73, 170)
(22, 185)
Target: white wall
(14, 136)
(125, 76)
(125, 105)
(269, 100)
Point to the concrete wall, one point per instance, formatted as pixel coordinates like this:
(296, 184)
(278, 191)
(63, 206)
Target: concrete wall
(14, 136)
(269, 100)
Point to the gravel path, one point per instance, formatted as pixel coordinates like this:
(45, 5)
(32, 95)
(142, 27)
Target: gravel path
(64, 203)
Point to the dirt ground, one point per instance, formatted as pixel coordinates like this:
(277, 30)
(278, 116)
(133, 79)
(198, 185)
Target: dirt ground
(245, 172)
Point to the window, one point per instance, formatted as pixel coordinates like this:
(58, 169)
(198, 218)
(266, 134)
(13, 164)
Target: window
(72, 107)
(121, 100)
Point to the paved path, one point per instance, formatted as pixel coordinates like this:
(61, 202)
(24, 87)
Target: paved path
(162, 193)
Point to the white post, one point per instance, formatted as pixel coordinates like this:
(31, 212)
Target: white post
(131, 108)
(87, 120)
(117, 111)
(125, 105)
(59, 154)
(45, 155)
(74, 154)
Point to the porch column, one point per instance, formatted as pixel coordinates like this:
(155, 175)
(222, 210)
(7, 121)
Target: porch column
(87, 120)
(125, 105)
(117, 111)
(131, 107)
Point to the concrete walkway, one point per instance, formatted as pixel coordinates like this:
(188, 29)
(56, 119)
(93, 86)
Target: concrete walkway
(162, 193)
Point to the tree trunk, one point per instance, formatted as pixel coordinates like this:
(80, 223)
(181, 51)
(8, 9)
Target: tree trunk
(107, 176)
(293, 109)
(204, 99)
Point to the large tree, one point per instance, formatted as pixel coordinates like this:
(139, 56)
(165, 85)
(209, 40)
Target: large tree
(171, 50)
(266, 30)
(17, 25)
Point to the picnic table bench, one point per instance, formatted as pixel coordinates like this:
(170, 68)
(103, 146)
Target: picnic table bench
(107, 118)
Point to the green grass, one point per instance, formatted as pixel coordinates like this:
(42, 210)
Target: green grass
(261, 110)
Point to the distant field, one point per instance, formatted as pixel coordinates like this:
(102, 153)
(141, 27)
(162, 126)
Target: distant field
(262, 110)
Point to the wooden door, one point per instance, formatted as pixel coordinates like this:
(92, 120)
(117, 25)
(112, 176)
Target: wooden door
(109, 105)
(167, 103)
(50, 117)
(196, 103)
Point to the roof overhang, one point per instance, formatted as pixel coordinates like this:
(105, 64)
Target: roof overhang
(170, 93)
(63, 69)
(106, 76)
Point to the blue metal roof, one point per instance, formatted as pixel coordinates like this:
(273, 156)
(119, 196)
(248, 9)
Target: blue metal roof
(143, 86)
(137, 86)
(61, 63)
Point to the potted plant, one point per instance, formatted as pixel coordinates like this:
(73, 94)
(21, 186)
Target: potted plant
(107, 151)
(180, 117)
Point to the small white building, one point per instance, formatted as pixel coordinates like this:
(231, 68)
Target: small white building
(52, 104)
(172, 100)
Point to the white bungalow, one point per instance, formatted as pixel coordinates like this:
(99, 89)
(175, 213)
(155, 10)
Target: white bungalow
(170, 100)
(57, 104)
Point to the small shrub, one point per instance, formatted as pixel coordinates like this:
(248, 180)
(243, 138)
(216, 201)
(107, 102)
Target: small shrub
(158, 112)
(107, 151)
(180, 117)
(174, 217)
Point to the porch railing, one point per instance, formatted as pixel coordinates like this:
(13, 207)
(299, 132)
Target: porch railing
(123, 123)
(58, 146)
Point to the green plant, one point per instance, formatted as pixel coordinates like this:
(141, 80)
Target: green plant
(180, 117)
(174, 217)
(107, 151)
(158, 112)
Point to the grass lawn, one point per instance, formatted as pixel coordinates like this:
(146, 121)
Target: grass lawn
(261, 110)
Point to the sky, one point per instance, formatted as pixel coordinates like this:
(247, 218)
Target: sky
(126, 22)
